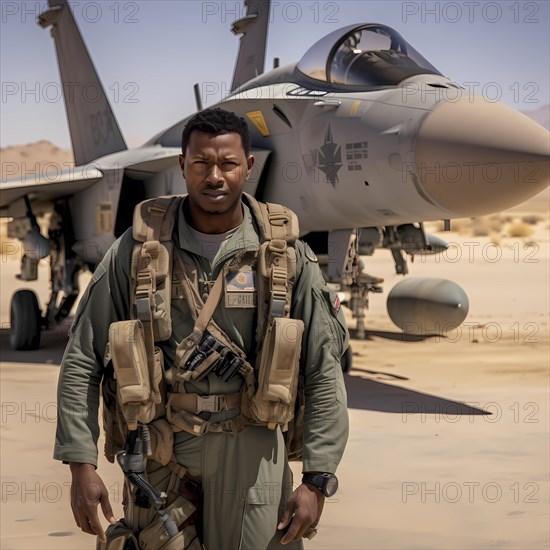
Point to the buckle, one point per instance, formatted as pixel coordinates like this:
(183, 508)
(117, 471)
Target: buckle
(278, 308)
(211, 403)
(143, 307)
(278, 218)
(277, 245)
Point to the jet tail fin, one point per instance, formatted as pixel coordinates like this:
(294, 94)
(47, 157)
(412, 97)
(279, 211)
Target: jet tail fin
(92, 124)
(253, 27)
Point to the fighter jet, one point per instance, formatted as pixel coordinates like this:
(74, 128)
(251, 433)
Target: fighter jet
(356, 138)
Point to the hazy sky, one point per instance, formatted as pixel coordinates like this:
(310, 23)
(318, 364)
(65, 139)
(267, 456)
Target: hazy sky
(150, 53)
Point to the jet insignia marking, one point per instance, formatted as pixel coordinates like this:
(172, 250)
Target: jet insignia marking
(257, 118)
(354, 153)
(329, 158)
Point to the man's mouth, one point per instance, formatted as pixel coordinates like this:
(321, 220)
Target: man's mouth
(214, 195)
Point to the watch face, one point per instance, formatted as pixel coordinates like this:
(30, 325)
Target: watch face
(326, 483)
(331, 486)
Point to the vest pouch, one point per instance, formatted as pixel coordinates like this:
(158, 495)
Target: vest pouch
(118, 537)
(279, 366)
(129, 356)
(162, 441)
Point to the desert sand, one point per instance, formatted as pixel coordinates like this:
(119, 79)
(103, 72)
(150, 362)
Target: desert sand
(449, 440)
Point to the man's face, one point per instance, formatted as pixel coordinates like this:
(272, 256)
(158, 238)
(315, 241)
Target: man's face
(215, 169)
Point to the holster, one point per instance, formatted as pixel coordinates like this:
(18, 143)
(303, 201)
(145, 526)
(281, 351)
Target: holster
(184, 508)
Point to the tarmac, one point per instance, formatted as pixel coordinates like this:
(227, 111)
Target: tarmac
(449, 436)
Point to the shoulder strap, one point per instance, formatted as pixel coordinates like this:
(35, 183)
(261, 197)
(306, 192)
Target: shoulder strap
(274, 220)
(154, 218)
(276, 264)
(151, 272)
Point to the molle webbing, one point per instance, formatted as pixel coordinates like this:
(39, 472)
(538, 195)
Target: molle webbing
(151, 283)
(276, 262)
(267, 403)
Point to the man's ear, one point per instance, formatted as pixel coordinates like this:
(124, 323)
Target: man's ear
(250, 164)
(181, 159)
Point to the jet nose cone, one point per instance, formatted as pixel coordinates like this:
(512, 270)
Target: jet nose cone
(474, 157)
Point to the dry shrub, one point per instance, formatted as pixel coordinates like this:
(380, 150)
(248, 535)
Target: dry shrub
(531, 219)
(519, 228)
(496, 222)
(462, 226)
(481, 227)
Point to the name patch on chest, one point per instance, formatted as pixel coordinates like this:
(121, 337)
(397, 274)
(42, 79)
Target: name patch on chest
(240, 290)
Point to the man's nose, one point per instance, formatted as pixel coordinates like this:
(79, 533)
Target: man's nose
(214, 175)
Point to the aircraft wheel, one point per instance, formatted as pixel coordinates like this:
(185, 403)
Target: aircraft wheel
(347, 360)
(25, 318)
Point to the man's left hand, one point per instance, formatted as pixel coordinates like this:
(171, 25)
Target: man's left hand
(303, 510)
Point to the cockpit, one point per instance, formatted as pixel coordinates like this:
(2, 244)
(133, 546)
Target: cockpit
(363, 56)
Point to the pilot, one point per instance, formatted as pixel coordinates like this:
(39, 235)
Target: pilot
(344, 57)
(243, 476)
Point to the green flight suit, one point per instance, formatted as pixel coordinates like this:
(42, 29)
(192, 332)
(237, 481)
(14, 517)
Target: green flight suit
(245, 478)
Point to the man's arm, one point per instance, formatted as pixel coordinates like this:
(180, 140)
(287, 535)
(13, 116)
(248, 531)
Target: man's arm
(105, 301)
(325, 341)
(326, 418)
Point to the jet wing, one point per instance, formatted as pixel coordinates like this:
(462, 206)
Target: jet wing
(46, 188)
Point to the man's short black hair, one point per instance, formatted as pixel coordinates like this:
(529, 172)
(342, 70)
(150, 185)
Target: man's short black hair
(216, 121)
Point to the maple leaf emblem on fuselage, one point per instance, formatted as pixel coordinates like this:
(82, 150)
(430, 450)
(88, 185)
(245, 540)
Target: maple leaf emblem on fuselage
(330, 158)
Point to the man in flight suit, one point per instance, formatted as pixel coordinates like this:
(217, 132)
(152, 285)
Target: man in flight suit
(245, 478)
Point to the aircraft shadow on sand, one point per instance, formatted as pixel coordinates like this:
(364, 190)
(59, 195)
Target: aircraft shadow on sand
(372, 395)
(400, 336)
(365, 392)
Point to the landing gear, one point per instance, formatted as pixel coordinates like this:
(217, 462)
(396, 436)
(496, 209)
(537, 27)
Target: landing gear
(26, 319)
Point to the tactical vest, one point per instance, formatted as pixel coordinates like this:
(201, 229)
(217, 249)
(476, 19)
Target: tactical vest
(149, 394)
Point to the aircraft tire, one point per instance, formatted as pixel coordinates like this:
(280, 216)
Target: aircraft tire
(347, 360)
(25, 321)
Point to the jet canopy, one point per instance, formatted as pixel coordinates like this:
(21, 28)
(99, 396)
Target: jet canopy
(363, 56)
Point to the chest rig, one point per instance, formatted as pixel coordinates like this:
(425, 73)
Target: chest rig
(146, 391)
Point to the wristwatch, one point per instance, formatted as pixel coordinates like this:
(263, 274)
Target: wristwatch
(326, 483)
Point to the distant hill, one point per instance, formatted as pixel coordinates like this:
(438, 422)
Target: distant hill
(43, 156)
(540, 115)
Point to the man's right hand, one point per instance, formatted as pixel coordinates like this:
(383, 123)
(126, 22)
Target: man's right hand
(87, 491)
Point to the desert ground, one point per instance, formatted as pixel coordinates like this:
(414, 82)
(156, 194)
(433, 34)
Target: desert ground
(449, 436)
